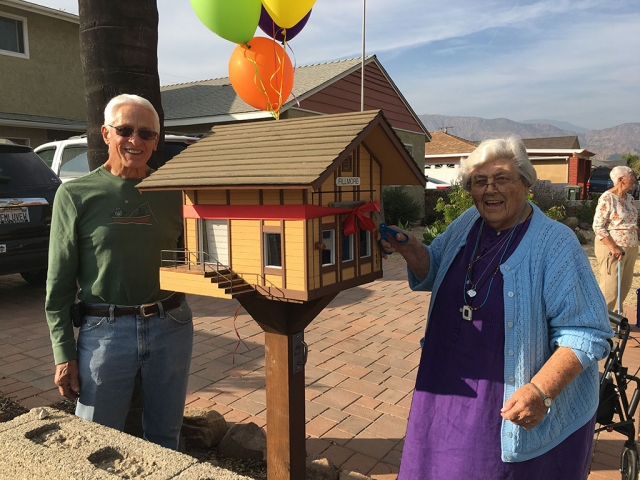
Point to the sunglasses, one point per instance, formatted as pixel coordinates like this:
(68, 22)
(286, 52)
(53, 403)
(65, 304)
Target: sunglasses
(127, 132)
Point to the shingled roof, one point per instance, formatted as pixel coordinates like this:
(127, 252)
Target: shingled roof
(550, 143)
(293, 153)
(215, 101)
(216, 97)
(444, 143)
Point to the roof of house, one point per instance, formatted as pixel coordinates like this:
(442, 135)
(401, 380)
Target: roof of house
(42, 10)
(444, 143)
(292, 153)
(550, 143)
(204, 100)
(37, 121)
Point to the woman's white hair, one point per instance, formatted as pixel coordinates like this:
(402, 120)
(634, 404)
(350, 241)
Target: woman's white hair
(115, 103)
(619, 172)
(510, 148)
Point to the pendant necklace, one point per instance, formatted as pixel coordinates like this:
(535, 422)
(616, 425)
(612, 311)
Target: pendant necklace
(473, 289)
(467, 310)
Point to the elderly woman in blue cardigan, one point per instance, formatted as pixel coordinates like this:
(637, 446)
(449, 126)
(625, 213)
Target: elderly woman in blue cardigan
(507, 386)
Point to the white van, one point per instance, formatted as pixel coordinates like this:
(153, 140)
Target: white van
(68, 158)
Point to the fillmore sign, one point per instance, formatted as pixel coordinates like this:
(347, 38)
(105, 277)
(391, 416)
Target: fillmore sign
(348, 181)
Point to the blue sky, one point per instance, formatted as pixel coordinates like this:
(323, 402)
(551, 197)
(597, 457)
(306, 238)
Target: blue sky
(568, 60)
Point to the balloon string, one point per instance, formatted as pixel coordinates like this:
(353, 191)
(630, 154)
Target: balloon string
(279, 70)
(294, 64)
(257, 80)
(233, 357)
(273, 80)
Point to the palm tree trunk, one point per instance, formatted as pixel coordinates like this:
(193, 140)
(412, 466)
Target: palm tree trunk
(119, 53)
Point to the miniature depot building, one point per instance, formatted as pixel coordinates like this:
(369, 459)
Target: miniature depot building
(266, 205)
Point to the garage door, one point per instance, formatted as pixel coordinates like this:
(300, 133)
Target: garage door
(217, 240)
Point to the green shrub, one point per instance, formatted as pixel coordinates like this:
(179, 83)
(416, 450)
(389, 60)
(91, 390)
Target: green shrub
(430, 200)
(400, 206)
(450, 207)
(549, 198)
(432, 231)
(587, 210)
(458, 200)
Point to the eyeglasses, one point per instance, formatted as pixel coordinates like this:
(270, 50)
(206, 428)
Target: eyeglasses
(500, 183)
(127, 132)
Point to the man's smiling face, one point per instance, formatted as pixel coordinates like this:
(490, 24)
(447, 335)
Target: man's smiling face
(131, 152)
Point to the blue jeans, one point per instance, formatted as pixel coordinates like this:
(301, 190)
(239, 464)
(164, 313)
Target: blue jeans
(111, 352)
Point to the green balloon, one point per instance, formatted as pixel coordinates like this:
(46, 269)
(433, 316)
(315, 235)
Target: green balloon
(233, 20)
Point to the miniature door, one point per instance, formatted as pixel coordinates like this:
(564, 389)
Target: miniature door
(214, 241)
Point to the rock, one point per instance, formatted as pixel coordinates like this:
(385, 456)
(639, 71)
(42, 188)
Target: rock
(320, 468)
(347, 475)
(3, 417)
(203, 428)
(584, 226)
(42, 413)
(244, 440)
(571, 222)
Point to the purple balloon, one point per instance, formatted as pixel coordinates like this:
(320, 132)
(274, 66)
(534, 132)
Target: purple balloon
(270, 27)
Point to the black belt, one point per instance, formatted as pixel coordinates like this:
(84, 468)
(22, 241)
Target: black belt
(147, 310)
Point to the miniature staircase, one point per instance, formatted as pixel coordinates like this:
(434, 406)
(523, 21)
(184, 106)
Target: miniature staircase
(223, 283)
(228, 280)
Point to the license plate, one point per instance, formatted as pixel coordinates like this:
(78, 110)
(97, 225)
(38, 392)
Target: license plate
(14, 215)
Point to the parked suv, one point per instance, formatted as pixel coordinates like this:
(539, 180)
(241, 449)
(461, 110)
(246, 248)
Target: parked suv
(68, 158)
(27, 188)
(600, 181)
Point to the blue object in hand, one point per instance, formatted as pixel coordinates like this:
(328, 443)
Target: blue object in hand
(386, 230)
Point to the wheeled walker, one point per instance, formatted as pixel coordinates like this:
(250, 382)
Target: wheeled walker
(615, 385)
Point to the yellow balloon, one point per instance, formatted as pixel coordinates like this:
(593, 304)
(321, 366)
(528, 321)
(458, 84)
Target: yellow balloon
(287, 13)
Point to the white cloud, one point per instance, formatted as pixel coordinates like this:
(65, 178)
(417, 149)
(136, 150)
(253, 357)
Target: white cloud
(578, 61)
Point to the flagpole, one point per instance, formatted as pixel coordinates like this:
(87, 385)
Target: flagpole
(364, 14)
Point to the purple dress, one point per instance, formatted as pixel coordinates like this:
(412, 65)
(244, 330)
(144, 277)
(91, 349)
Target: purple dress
(454, 423)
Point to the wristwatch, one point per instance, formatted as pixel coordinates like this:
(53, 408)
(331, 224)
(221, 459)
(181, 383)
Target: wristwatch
(548, 401)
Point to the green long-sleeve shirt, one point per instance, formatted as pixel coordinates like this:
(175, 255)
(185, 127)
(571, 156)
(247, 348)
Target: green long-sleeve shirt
(105, 246)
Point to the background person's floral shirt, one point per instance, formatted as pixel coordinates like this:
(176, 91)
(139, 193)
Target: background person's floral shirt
(617, 217)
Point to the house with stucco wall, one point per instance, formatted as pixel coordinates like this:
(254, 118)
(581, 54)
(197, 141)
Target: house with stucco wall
(40, 74)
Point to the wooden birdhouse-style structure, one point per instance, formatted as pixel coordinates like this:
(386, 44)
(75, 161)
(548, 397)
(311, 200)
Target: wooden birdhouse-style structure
(266, 205)
(279, 215)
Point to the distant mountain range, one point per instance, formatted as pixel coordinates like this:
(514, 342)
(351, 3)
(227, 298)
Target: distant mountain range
(608, 144)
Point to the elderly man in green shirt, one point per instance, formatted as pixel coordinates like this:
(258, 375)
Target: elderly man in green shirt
(106, 244)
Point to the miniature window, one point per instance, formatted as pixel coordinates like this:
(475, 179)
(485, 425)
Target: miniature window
(329, 250)
(409, 147)
(13, 36)
(347, 248)
(365, 243)
(272, 250)
(347, 164)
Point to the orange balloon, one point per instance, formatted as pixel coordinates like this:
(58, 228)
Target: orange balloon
(261, 73)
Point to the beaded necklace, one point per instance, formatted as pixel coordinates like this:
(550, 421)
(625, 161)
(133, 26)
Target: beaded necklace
(467, 310)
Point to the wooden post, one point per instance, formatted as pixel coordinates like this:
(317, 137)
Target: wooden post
(286, 436)
(286, 450)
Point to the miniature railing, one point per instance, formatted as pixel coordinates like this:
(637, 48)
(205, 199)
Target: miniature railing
(198, 261)
(203, 262)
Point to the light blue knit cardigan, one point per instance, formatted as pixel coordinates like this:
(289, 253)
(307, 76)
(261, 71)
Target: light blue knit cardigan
(551, 299)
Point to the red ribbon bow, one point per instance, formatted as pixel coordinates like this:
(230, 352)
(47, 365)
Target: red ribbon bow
(363, 222)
